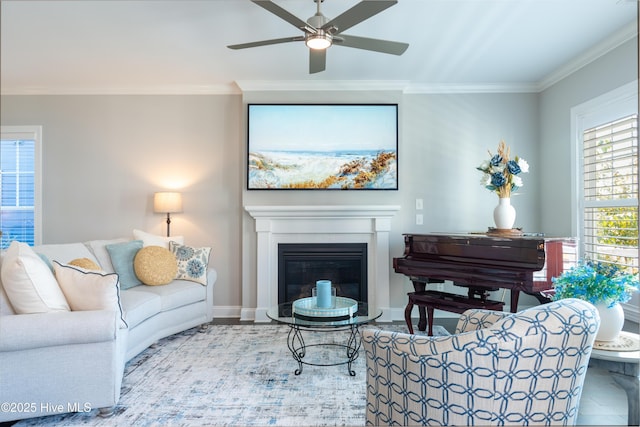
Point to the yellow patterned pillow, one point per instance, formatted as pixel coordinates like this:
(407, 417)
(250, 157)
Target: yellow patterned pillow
(155, 265)
(85, 263)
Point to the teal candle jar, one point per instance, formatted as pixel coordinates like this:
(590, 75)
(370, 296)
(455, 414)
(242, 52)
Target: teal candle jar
(325, 294)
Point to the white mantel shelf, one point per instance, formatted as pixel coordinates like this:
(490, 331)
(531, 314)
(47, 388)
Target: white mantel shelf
(368, 224)
(370, 211)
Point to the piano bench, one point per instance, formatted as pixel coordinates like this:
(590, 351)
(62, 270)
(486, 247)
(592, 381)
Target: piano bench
(447, 302)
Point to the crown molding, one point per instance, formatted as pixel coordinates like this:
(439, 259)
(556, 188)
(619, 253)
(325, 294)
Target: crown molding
(403, 86)
(446, 88)
(221, 89)
(320, 85)
(623, 35)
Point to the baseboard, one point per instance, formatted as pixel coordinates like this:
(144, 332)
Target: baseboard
(227, 312)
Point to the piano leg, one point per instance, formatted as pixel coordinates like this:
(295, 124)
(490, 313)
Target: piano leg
(430, 322)
(421, 308)
(515, 295)
(407, 316)
(419, 286)
(422, 322)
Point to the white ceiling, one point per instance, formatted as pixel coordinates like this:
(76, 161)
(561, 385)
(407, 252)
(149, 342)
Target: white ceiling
(179, 46)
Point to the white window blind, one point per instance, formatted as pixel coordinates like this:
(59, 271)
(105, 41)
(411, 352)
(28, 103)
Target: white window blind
(610, 192)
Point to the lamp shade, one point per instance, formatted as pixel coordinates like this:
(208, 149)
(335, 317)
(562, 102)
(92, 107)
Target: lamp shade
(167, 202)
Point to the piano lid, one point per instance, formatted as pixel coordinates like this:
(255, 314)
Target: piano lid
(522, 252)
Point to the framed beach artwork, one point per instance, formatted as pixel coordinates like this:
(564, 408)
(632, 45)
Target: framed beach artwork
(322, 147)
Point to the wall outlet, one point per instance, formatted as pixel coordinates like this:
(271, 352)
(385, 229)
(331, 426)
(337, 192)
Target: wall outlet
(419, 219)
(419, 204)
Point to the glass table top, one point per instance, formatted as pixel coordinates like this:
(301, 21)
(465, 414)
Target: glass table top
(283, 313)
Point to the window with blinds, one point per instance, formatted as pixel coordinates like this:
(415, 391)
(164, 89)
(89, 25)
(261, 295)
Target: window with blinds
(610, 192)
(19, 185)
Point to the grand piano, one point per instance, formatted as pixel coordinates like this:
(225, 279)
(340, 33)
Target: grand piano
(481, 263)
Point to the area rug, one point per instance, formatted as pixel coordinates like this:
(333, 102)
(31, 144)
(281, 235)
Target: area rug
(235, 375)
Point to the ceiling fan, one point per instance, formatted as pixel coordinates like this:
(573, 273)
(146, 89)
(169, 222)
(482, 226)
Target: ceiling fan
(320, 32)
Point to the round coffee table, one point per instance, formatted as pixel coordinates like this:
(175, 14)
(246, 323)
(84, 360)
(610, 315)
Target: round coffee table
(282, 313)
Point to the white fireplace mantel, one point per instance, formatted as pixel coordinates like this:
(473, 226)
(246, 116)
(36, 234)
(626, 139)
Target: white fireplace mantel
(369, 224)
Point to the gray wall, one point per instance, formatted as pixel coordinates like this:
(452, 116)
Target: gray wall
(104, 156)
(609, 72)
(613, 70)
(442, 140)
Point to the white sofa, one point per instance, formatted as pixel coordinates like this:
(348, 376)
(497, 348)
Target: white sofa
(73, 361)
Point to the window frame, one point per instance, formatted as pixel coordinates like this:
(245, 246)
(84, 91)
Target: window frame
(33, 133)
(608, 107)
(597, 184)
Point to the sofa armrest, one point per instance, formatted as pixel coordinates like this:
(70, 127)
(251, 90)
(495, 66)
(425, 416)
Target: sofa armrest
(27, 331)
(212, 276)
(477, 318)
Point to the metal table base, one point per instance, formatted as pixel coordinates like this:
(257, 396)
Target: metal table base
(298, 347)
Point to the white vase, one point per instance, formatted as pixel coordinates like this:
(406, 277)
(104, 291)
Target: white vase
(504, 215)
(611, 321)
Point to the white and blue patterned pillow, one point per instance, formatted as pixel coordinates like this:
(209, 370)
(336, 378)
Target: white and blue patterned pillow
(192, 262)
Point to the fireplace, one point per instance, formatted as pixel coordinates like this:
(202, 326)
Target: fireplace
(301, 264)
(275, 225)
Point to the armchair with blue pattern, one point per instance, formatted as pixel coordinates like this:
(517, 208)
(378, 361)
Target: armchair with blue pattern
(526, 368)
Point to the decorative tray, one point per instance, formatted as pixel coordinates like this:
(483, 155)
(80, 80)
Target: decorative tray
(307, 308)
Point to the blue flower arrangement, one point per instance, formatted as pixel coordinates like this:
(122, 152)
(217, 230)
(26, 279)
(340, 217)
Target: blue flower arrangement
(595, 282)
(500, 174)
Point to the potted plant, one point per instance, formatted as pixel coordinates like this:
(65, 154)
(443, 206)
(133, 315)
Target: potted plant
(602, 284)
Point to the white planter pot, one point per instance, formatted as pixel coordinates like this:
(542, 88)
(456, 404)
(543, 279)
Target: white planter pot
(504, 215)
(611, 321)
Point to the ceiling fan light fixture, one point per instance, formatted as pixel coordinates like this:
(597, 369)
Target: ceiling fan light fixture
(320, 33)
(319, 41)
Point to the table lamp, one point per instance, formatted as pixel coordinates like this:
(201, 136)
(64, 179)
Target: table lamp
(167, 202)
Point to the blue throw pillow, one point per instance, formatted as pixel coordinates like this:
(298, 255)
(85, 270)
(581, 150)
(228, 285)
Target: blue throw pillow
(122, 256)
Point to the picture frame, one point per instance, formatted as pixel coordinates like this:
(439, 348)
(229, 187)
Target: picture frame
(322, 146)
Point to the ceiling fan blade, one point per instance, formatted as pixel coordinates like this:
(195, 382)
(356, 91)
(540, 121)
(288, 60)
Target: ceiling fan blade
(284, 14)
(358, 13)
(317, 60)
(376, 45)
(266, 42)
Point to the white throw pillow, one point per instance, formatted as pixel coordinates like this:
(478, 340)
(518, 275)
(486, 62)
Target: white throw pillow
(149, 239)
(29, 283)
(89, 289)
